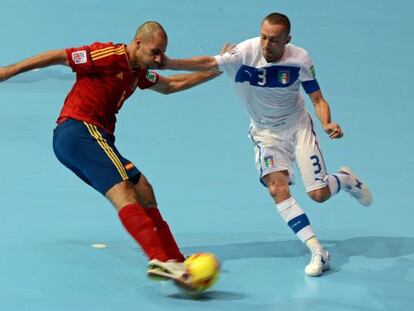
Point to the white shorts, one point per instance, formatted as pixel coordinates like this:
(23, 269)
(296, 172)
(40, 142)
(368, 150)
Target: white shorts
(278, 148)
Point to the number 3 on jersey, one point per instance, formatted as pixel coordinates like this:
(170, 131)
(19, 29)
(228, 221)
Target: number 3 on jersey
(316, 164)
(261, 77)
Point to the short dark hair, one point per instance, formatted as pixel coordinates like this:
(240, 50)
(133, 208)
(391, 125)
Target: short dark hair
(147, 29)
(278, 19)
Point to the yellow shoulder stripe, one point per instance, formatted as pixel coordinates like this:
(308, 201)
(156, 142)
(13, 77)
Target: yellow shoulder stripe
(108, 54)
(107, 50)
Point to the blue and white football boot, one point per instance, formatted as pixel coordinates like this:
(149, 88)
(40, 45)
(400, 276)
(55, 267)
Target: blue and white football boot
(356, 187)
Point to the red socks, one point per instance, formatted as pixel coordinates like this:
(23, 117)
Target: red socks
(143, 230)
(167, 239)
(151, 232)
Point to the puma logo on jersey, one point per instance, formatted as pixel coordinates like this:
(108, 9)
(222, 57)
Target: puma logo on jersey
(248, 72)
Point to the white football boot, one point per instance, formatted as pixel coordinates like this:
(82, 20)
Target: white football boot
(356, 188)
(320, 262)
(169, 270)
(165, 270)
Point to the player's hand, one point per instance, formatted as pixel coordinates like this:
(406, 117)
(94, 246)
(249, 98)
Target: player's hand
(7, 72)
(4, 74)
(333, 130)
(227, 47)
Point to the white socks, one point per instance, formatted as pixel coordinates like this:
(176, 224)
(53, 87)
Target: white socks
(296, 219)
(313, 244)
(336, 182)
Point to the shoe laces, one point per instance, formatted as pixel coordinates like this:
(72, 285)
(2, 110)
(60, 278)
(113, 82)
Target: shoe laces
(318, 257)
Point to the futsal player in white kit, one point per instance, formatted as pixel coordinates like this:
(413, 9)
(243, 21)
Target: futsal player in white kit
(268, 72)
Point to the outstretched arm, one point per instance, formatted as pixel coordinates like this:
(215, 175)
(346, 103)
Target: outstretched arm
(196, 63)
(45, 59)
(324, 114)
(176, 83)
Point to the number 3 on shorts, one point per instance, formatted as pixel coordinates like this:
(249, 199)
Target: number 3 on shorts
(316, 163)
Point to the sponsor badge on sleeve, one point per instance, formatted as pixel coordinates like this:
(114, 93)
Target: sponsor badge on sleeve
(79, 57)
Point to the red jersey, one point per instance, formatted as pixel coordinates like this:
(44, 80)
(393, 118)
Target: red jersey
(104, 80)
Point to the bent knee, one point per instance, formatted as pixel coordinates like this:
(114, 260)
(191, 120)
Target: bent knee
(279, 191)
(320, 195)
(278, 185)
(122, 194)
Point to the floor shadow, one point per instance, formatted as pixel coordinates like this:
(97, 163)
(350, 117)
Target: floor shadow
(288, 248)
(209, 295)
(376, 247)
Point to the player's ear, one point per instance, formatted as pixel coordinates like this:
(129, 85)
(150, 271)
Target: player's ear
(138, 41)
(288, 38)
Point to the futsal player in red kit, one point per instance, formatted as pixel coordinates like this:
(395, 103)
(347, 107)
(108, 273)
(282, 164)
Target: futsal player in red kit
(106, 75)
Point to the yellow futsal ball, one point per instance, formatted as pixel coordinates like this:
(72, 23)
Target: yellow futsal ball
(204, 269)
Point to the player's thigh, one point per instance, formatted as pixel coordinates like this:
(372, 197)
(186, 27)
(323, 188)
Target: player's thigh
(309, 157)
(273, 153)
(86, 149)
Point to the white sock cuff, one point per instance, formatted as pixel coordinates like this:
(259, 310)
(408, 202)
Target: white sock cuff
(305, 234)
(284, 205)
(334, 184)
(289, 209)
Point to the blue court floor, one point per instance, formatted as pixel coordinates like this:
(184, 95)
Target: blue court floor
(194, 149)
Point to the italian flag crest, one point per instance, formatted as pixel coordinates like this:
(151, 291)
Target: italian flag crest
(269, 162)
(284, 77)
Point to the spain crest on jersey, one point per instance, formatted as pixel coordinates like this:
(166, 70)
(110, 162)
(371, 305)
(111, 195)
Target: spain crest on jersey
(284, 77)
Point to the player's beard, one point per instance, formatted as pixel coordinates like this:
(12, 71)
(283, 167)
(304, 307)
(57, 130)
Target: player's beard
(272, 56)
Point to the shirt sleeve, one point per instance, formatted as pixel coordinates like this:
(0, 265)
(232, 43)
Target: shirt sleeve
(97, 58)
(230, 61)
(147, 79)
(307, 76)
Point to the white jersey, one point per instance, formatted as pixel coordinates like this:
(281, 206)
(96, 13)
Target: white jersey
(270, 91)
